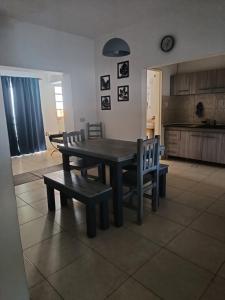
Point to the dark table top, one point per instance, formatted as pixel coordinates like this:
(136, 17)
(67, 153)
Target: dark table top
(106, 149)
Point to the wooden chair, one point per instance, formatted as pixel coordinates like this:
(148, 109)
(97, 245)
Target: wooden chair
(94, 131)
(146, 175)
(82, 164)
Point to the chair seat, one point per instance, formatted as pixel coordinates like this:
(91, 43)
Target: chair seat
(130, 178)
(163, 169)
(81, 163)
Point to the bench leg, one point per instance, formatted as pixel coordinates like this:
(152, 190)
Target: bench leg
(91, 220)
(63, 199)
(104, 215)
(162, 185)
(51, 198)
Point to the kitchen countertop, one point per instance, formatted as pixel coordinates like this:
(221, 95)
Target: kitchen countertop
(195, 127)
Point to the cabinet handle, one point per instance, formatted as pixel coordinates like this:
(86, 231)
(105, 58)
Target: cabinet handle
(210, 137)
(205, 89)
(183, 90)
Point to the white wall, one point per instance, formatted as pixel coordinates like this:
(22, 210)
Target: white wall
(12, 276)
(35, 47)
(198, 27)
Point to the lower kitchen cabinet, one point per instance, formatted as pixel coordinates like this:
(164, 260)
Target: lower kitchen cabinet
(199, 145)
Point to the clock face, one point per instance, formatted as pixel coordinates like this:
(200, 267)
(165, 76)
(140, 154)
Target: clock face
(167, 43)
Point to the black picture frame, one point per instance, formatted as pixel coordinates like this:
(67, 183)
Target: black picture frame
(105, 103)
(105, 83)
(123, 93)
(123, 69)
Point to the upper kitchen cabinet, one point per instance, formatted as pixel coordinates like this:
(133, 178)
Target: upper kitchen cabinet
(182, 84)
(219, 81)
(205, 82)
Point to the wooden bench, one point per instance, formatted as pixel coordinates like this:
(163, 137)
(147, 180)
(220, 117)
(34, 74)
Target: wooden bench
(84, 190)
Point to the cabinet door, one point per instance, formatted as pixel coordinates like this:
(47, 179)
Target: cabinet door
(205, 82)
(194, 145)
(181, 84)
(172, 142)
(211, 147)
(220, 81)
(221, 156)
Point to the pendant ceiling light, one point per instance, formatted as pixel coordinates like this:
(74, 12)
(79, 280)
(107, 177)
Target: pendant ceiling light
(116, 48)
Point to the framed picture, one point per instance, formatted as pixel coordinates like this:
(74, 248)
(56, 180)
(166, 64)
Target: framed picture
(105, 102)
(123, 69)
(105, 82)
(123, 93)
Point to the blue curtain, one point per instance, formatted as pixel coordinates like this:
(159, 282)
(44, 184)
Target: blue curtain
(27, 112)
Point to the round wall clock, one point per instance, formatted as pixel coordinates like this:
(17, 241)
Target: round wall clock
(167, 43)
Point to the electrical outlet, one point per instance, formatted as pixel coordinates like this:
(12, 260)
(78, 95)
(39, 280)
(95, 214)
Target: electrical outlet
(82, 120)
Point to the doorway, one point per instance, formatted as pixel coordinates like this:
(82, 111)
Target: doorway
(154, 102)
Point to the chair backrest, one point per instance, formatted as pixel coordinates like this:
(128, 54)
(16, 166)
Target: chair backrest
(148, 154)
(73, 137)
(94, 130)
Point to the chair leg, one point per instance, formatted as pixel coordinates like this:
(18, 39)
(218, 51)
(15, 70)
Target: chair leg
(155, 192)
(91, 219)
(83, 172)
(140, 208)
(162, 185)
(51, 198)
(63, 199)
(104, 215)
(101, 172)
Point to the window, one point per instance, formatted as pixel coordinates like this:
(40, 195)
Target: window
(59, 101)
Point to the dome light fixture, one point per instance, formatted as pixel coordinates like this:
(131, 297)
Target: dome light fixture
(116, 48)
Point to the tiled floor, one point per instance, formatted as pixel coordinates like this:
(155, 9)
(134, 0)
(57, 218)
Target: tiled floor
(32, 162)
(178, 253)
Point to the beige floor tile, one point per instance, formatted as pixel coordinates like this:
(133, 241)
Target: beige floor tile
(179, 182)
(124, 248)
(30, 186)
(222, 271)
(89, 277)
(173, 278)
(195, 200)
(211, 225)
(178, 212)
(157, 229)
(199, 249)
(216, 290)
(33, 275)
(55, 253)
(132, 290)
(172, 193)
(42, 205)
(20, 202)
(37, 230)
(217, 208)
(207, 189)
(27, 213)
(34, 195)
(44, 291)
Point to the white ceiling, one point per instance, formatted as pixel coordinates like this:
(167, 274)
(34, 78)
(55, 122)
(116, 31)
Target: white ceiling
(91, 18)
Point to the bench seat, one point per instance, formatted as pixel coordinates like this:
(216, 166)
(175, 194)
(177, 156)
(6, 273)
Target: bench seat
(85, 190)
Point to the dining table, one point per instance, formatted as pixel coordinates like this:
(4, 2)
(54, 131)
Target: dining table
(112, 152)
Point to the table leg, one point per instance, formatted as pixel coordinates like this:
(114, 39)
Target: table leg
(66, 162)
(117, 187)
(162, 185)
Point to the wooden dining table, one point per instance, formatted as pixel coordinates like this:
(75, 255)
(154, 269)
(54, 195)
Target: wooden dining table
(116, 154)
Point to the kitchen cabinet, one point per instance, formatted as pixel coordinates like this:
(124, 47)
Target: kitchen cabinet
(203, 82)
(195, 144)
(182, 84)
(211, 144)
